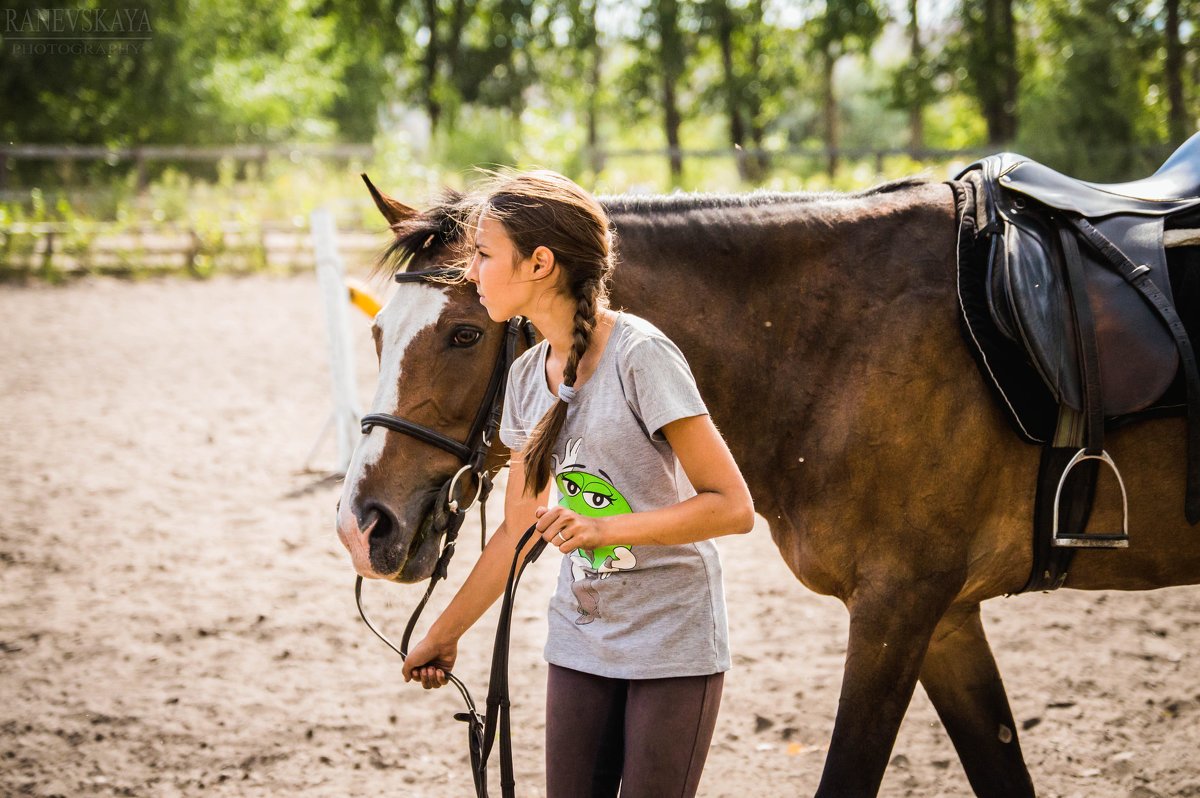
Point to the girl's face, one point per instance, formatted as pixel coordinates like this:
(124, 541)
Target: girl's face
(503, 279)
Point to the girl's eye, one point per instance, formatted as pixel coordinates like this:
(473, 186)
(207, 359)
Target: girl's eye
(569, 487)
(597, 501)
(467, 336)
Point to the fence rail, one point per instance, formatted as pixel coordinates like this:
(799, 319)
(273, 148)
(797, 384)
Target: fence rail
(53, 250)
(141, 156)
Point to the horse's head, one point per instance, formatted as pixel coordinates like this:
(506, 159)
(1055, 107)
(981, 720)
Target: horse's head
(437, 353)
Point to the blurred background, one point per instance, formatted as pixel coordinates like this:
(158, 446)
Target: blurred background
(176, 613)
(199, 135)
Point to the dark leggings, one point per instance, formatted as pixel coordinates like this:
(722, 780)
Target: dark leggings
(649, 737)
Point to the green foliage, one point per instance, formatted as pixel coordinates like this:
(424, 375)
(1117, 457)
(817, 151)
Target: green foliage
(988, 51)
(1083, 115)
(845, 26)
(1078, 83)
(210, 72)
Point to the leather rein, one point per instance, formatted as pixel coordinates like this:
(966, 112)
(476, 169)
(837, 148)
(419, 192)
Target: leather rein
(448, 517)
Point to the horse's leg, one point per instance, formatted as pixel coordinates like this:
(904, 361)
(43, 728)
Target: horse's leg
(890, 627)
(964, 685)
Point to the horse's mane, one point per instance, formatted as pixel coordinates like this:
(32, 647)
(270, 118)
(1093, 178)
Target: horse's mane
(445, 221)
(680, 201)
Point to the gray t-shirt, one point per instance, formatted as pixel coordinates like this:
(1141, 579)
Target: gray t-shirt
(640, 612)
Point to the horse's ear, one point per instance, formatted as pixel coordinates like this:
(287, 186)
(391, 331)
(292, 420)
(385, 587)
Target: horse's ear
(392, 210)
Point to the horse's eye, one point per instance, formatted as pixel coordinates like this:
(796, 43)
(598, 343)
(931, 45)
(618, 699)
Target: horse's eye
(467, 337)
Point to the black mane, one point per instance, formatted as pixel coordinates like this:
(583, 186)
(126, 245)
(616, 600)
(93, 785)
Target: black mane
(442, 225)
(679, 201)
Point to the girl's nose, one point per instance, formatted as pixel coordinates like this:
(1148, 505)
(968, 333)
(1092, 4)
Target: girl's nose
(472, 274)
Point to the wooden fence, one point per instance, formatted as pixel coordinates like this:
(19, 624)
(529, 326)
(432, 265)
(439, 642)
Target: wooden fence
(68, 154)
(59, 250)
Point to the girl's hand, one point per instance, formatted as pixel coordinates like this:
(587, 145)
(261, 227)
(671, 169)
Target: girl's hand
(567, 530)
(429, 661)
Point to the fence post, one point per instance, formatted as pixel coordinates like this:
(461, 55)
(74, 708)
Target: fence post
(332, 283)
(48, 257)
(139, 161)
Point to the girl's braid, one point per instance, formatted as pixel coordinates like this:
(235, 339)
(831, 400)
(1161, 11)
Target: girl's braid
(585, 324)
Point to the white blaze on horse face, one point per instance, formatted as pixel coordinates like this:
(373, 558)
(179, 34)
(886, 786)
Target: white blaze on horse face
(413, 308)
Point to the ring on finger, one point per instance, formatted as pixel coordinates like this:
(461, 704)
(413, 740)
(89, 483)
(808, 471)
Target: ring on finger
(560, 537)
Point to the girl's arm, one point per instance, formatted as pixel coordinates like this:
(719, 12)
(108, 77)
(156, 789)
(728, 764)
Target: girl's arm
(722, 504)
(431, 658)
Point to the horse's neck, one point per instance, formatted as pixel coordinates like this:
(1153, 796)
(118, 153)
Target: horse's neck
(765, 284)
(774, 306)
(743, 297)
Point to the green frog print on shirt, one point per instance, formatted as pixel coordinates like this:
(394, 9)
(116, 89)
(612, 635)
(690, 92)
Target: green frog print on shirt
(591, 495)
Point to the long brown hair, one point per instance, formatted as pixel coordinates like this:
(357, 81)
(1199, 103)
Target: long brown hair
(544, 208)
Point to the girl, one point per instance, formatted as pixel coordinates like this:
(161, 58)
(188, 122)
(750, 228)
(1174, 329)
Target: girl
(606, 407)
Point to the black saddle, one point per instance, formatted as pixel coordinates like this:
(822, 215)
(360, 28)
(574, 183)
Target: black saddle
(1028, 292)
(1174, 187)
(1077, 278)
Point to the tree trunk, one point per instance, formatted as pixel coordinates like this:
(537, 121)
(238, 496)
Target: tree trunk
(1001, 78)
(432, 106)
(992, 62)
(453, 54)
(760, 163)
(1177, 120)
(916, 123)
(672, 121)
(671, 56)
(737, 133)
(594, 75)
(829, 102)
(1009, 66)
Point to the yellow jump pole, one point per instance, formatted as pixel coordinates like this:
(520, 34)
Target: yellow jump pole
(361, 298)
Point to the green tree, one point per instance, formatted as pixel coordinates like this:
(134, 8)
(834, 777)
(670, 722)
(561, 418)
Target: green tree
(840, 27)
(913, 83)
(1084, 112)
(1180, 124)
(573, 67)
(208, 73)
(652, 80)
(988, 52)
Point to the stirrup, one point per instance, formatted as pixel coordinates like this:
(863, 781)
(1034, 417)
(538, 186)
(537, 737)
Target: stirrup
(1098, 540)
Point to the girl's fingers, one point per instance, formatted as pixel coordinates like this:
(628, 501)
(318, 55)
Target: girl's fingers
(550, 534)
(432, 678)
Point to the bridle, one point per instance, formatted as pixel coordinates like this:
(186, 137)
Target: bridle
(473, 452)
(448, 518)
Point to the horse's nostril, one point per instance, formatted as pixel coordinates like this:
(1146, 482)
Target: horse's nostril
(379, 524)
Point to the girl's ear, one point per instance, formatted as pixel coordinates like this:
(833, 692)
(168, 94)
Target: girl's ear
(543, 262)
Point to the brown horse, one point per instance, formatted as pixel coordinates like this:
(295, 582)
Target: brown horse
(823, 332)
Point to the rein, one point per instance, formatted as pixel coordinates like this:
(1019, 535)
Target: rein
(481, 729)
(448, 518)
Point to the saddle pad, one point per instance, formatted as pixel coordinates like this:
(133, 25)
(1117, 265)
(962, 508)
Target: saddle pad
(1003, 364)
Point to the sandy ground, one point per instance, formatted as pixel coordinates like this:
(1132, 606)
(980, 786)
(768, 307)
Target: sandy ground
(177, 615)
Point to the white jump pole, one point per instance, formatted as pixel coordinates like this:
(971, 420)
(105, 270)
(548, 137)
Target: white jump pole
(331, 279)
